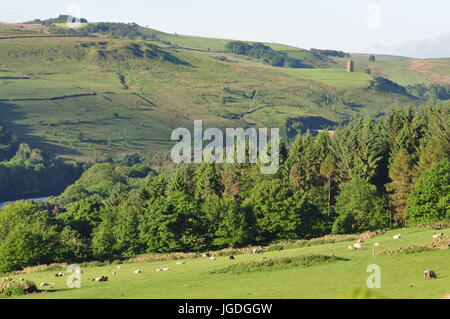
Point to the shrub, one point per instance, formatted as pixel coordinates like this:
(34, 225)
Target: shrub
(9, 287)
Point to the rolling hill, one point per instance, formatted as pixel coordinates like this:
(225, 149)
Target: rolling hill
(96, 95)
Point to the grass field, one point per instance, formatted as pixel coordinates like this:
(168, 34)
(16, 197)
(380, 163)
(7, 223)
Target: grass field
(332, 77)
(401, 274)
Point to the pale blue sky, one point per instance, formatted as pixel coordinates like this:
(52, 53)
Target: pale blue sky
(409, 27)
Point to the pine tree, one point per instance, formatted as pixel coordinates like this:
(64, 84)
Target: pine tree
(328, 171)
(401, 173)
(206, 181)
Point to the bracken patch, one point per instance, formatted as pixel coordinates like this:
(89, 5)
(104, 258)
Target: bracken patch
(270, 264)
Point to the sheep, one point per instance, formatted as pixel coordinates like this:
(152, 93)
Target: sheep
(350, 247)
(79, 271)
(114, 273)
(162, 269)
(376, 244)
(181, 262)
(257, 250)
(360, 240)
(439, 235)
(398, 236)
(60, 274)
(357, 245)
(212, 258)
(101, 278)
(119, 267)
(137, 271)
(428, 274)
(231, 257)
(45, 284)
(22, 279)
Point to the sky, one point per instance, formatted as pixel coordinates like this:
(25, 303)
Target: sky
(415, 28)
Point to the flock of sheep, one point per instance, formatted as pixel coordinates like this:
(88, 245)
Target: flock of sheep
(138, 271)
(428, 274)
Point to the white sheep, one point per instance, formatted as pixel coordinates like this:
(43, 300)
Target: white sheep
(350, 247)
(181, 262)
(439, 235)
(119, 267)
(357, 245)
(137, 271)
(213, 258)
(398, 236)
(45, 284)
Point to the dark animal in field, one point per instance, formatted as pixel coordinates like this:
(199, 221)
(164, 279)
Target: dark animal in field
(59, 274)
(428, 274)
(102, 278)
(231, 257)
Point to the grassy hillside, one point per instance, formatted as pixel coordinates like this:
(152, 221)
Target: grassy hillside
(405, 71)
(401, 274)
(84, 97)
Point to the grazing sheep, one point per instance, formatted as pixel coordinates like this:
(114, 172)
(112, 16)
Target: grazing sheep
(439, 235)
(231, 257)
(79, 271)
(212, 258)
(181, 262)
(398, 236)
(119, 267)
(114, 273)
(357, 245)
(258, 250)
(360, 241)
(162, 269)
(21, 279)
(137, 271)
(350, 247)
(428, 274)
(102, 278)
(376, 245)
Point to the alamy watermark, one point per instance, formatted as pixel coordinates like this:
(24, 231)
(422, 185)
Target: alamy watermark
(74, 15)
(374, 279)
(374, 16)
(74, 280)
(240, 144)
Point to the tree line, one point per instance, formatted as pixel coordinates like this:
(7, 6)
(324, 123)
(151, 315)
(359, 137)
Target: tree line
(370, 174)
(264, 53)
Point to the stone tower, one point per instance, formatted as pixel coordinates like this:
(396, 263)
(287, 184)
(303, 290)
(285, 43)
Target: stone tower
(350, 66)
